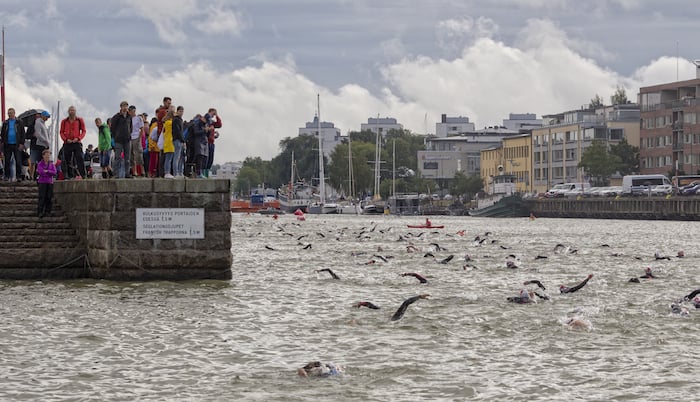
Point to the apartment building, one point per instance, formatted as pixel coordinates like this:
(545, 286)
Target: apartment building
(330, 135)
(513, 157)
(670, 127)
(443, 157)
(381, 124)
(453, 126)
(558, 145)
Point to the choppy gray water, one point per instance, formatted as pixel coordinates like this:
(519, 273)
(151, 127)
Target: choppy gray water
(244, 339)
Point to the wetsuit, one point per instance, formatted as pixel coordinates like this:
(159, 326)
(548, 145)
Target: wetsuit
(333, 275)
(402, 309)
(420, 277)
(692, 294)
(566, 289)
(367, 304)
(319, 369)
(523, 298)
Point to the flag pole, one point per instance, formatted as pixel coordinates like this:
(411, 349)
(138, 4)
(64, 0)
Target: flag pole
(2, 76)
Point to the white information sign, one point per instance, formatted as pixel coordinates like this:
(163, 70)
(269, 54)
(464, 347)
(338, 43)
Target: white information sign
(169, 223)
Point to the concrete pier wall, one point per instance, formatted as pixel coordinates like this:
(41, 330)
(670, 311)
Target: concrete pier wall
(103, 212)
(673, 208)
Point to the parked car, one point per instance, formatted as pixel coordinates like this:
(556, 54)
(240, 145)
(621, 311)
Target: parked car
(613, 191)
(691, 190)
(596, 191)
(662, 189)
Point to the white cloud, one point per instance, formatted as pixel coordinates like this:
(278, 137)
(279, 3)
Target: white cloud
(19, 19)
(22, 95)
(173, 18)
(664, 70)
(456, 33)
(217, 19)
(49, 63)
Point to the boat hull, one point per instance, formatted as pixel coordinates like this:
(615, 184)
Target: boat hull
(511, 206)
(317, 209)
(426, 227)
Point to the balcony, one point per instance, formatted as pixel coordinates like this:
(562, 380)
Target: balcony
(676, 104)
(678, 146)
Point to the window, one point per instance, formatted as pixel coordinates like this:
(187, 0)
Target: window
(571, 172)
(617, 134)
(557, 155)
(588, 134)
(600, 134)
(570, 154)
(430, 165)
(668, 160)
(536, 140)
(660, 161)
(690, 118)
(544, 156)
(558, 173)
(558, 138)
(537, 157)
(571, 136)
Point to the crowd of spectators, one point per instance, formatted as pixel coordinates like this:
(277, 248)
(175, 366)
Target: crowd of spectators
(129, 145)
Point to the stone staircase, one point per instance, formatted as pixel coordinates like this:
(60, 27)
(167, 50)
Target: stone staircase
(33, 247)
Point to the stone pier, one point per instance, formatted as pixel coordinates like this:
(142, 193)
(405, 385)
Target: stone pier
(104, 215)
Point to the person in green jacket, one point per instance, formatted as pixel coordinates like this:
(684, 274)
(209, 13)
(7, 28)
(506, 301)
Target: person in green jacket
(105, 146)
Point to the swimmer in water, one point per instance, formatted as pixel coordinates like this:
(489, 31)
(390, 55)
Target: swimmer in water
(679, 310)
(647, 274)
(696, 302)
(680, 254)
(524, 297)
(576, 323)
(420, 277)
(567, 289)
(319, 369)
(692, 294)
(539, 285)
(367, 304)
(333, 275)
(658, 256)
(402, 309)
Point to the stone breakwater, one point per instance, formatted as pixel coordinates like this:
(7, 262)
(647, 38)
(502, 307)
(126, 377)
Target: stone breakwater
(104, 215)
(646, 208)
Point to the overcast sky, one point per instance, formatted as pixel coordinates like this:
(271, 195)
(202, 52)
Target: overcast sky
(262, 62)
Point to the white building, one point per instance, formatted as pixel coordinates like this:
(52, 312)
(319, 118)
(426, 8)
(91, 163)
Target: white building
(229, 170)
(451, 126)
(330, 135)
(383, 125)
(522, 121)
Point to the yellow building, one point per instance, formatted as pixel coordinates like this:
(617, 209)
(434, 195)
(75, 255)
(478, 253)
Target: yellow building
(513, 157)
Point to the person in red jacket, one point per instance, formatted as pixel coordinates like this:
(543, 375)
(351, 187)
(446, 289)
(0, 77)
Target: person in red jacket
(215, 122)
(72, 133)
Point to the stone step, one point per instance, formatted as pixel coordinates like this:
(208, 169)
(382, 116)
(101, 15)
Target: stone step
(38, 246)
(36, 236)
(19, 195)
(24, 211)
(38, 230)
(23, 187)
(42, 225)
(32, 218)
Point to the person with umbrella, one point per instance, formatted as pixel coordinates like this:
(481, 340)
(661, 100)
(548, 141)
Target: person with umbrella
(12, 136)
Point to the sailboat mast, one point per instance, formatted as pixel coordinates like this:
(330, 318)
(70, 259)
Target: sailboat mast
(322, 179)
(377, 166)
(351, 178)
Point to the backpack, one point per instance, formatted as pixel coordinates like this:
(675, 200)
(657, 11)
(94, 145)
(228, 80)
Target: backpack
(29, 132)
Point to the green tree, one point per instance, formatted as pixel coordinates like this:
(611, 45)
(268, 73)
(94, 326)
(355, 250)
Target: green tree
(598, 163)
(305, 149)
(363, 171)
(629, 157)
(619, 97)
(596, 102)
(466, 185)
(248, 178)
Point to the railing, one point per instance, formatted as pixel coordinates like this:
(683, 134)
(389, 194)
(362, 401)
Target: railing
(676, 104)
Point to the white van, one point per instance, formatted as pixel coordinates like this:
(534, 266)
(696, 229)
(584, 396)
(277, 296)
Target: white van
(564, 189)
(639, 184)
